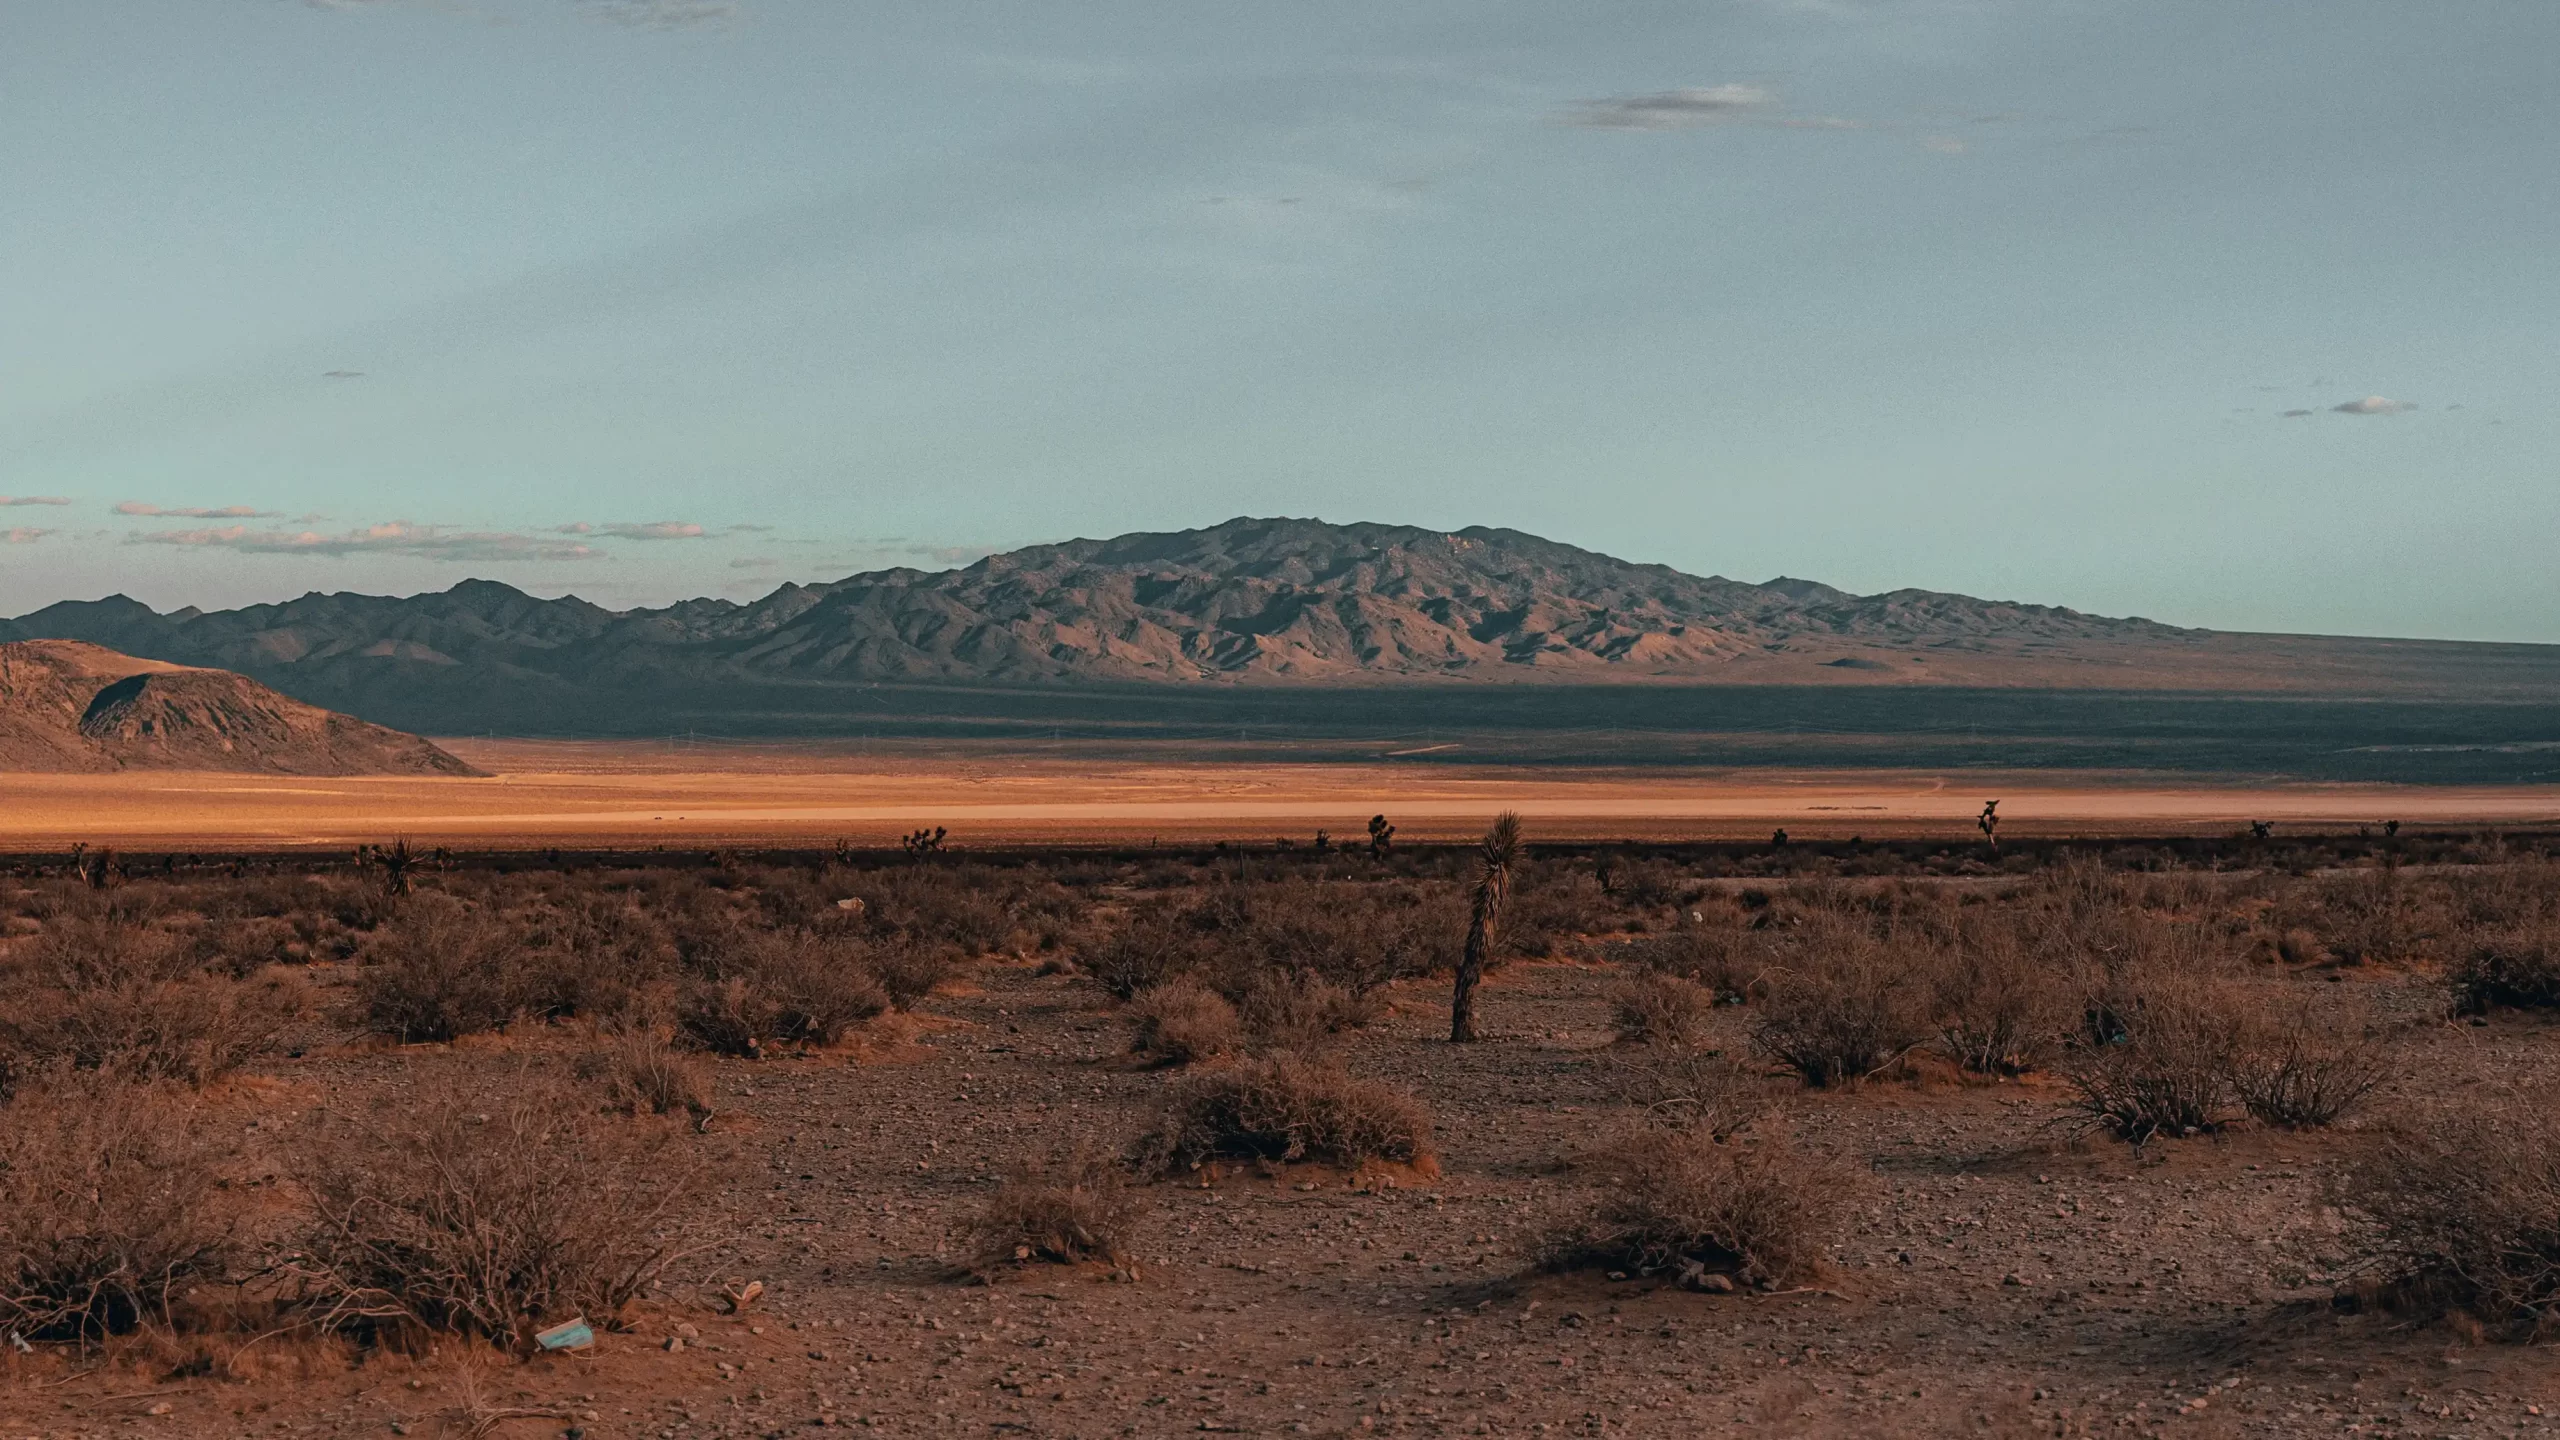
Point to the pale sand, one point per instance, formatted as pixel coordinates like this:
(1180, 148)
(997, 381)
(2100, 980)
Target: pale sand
(625, 796)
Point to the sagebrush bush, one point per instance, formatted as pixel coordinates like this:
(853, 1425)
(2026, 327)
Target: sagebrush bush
(1652, 1008)
(2303, 1067)
(102, 988)
(1705, 1091)
(1155, 946)
(2462, 1210)
(439, 971)
(1287, 1108)
(644, 1075)
(490, 1214)
(2511, 966)
(791, 988)
(596, 955)
(1068, 1211)
(2000, 1008)
(2159, 1054)
(1299, 1010)
(1680, 1202)
(1181, 1021)
(1844, 1006)
(108, 1207)
(1729, 963)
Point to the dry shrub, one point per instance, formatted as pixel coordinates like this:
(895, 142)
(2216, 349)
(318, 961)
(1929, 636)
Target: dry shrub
(1652, 1008)
(1729, 963)
(490, 1215)
(2463, 1210)
(1181, 1021)
(794, 988)
(597, 955)
(1680, 1202)
(642, 1074)
(2514, 966)
(441, 970)
(2303, 1069)
(1154, 947)
(2159, 1054)
(1844, 1007)
(908, 969)
(1705, 1091)
(103, 989)
(1066, 1212)
(2001, 1009)
(1287, 1108)
(107, 1210)
(1299, 1011)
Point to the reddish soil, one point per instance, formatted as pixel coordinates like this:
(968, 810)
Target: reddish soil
(1999, 1279)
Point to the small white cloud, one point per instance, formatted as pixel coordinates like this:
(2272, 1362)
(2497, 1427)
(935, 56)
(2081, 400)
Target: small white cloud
(195, 512)
(7, 501)
(2373, 405)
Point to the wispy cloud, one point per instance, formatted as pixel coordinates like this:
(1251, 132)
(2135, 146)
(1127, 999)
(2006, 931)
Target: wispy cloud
(663, 14)
(2296, 414)
(341, 374)
(396, 537)
(195, 512)
(9, 501)
(2373, 405)
(24, 535)
(754, 562)
(1696, 108)
(654, 530)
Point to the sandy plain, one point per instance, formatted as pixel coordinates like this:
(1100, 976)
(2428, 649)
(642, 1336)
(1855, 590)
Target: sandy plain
(619, 795)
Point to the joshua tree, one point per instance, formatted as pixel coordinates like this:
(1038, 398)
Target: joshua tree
(395, 861)
(925, 842)
(1989, 824)
(1382, 837)
(1484, 922)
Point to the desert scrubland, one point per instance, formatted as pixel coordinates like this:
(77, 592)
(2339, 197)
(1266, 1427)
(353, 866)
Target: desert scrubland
(2186, 1135)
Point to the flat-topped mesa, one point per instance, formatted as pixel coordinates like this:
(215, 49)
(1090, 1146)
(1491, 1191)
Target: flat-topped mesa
(70, 706)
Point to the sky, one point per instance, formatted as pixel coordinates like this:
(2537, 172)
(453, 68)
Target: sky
(2229, 315)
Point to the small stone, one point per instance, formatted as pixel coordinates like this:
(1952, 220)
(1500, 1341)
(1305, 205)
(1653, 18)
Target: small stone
(689, 1332)
(675, 1342)
(2012, 1278)
(163, 1408)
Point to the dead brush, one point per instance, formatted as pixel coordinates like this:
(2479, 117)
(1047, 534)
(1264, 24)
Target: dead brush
(786, 989)
(1286, 1108)
(1676, 1201)
(2305, 1069)
(2000, 1008)
(642, 1074)
(1705, 1091)
(1652, 1008)
(2515, 966)
(1299, 1012)
(2461, 1211)
(1181, 1021)
(1073, 1210)
(2158, 1056)
(1844, 1008)
(489, 1214)
(438, 972)
(108, 1208)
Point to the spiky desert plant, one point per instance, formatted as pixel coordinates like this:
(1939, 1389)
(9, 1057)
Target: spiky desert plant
(1484, 922)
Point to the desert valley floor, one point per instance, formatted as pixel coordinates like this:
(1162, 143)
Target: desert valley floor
(637, 795)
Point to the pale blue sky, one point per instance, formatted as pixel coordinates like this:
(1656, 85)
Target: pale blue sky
(2007, 298)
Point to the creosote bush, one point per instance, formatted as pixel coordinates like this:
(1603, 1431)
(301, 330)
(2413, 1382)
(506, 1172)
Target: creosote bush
(2158, 1055)
(1677, 1201)
(490, 1214)
(781, 989)
(2306, 1067)
(2000, 1008)
(2515, 966)
(1652, 1008)
(440, 970)
(1181, 1021)
(644, 1075)
(1070, 1211)
(108, 1207)
(102, 988)
(1287, 1108)
(1844, 1006)
(2462, 1209)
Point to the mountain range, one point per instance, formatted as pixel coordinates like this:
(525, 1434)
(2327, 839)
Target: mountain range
(1252, 602)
